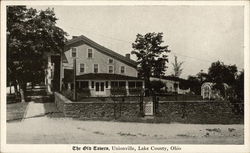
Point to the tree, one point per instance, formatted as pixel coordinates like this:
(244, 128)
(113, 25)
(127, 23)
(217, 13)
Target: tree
(31, 34)
(203, 77)
(157, 85)
(221, 73)
(177, 67)
(151, 55)
(239, 86)
(195, 84)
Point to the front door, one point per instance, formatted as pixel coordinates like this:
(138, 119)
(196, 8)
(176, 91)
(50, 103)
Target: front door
(99, 88)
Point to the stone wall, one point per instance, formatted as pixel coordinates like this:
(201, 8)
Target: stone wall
(202, 112)
(97, 110)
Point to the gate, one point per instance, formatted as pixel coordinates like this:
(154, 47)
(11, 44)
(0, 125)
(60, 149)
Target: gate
(149, 108)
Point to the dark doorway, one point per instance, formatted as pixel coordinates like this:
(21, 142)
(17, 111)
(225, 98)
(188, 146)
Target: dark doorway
(56, 77)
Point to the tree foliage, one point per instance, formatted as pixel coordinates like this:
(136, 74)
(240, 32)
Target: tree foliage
(157, 85)
(151, 55)
(195, 84)
(221, 73)
(31, 34)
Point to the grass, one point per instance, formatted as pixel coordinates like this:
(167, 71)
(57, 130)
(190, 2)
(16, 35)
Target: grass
(16, 111)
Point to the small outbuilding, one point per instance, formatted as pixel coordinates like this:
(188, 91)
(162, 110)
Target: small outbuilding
(209, 92)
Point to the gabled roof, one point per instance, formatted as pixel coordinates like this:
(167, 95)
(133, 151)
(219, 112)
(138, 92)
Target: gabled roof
(82, 39)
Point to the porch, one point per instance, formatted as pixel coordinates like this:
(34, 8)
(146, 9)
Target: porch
(105, 85)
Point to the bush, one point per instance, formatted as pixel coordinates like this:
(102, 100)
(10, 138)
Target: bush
(68, 94)
(156, 85)
(118, 91)
(135, 91)
(83, 93)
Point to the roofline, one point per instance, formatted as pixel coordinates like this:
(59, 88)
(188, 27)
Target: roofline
(101, 48)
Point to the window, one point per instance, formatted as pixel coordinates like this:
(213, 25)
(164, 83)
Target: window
(73, 52)
(131, 84)
(111, 69)
(118, 84)
(84, 84)
(82, 67)
(92, 84)
(111, 61)
(122, 69)
(107, 84)
(95, 68)
(135, 84)
(90, 53)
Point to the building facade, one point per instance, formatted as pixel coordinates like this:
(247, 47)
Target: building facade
(98, 70)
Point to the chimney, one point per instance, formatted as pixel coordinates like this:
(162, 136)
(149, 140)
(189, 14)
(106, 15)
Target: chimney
(127, 56)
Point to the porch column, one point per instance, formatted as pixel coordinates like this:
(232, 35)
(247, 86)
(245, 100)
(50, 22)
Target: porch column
(49, 75)
(89, 84)
(127, 88)
(69, 86)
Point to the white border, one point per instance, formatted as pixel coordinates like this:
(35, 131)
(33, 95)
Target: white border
(68, 148)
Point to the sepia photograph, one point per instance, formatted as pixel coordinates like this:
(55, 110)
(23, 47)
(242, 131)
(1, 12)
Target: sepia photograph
(124, 77)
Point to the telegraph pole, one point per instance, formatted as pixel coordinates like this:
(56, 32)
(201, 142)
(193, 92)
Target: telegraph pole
(74, 79)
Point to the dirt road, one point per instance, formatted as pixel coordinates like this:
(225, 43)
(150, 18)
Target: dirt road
(45, 130)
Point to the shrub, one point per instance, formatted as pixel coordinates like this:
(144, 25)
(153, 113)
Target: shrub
(118, 91)
(68, 94)
(156, 85)
(135, 91)
(82, 93)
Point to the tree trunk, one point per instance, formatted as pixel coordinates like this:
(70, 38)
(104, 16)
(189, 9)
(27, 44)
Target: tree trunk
(15, 88)
(32, 85)
(22, 91)
(10, 85)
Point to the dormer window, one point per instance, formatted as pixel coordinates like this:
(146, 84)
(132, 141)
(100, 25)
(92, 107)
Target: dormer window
(73, 52)
(111, 61)
(90, 53)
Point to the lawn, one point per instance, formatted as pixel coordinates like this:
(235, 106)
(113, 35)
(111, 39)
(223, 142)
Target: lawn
(15, 111)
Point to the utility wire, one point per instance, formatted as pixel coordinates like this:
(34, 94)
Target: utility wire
(105, 36)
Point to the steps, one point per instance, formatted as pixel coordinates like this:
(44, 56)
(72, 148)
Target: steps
(38, 94)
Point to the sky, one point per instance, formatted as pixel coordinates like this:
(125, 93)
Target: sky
(197, 35)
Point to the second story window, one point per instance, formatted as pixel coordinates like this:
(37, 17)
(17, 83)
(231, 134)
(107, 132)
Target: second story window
(82, 67)
(122, 69)
(111, 61)
(95, 68)
(73, 52)
(111, 69)
(90, 53)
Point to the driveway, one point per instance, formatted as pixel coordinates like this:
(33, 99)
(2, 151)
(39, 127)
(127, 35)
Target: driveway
(58, 130)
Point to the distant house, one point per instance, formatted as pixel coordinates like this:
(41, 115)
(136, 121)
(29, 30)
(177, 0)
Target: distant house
(172, 84)
(208, 91)
(99, 70)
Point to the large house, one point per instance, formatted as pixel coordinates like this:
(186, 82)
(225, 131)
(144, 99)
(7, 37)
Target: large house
(99, 70)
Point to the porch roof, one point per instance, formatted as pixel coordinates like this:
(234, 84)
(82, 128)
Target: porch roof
(105, 76)
(68, 76)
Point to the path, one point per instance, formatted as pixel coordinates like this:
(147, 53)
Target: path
(40, 102)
